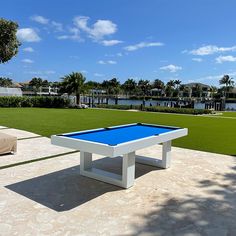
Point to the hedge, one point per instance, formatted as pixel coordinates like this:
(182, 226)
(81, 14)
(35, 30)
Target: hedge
(38, 101)
(158, 109)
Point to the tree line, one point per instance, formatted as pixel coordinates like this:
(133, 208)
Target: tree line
(75, 83)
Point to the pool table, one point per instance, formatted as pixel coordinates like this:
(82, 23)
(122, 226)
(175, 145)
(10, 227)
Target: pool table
(121, 140)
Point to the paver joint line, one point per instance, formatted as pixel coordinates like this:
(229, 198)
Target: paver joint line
(35, 160)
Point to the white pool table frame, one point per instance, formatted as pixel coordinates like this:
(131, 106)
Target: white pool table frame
(127, 150)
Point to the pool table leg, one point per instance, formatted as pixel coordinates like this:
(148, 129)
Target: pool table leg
(85, 161)
(166, 155)
(126, 180)
(128, 170)
(162, 163)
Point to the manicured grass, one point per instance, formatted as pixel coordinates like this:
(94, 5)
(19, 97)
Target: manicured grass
(229, 114)
(205, 133)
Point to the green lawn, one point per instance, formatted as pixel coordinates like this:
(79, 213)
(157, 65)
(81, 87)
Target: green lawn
(205, 133)
(229, 114)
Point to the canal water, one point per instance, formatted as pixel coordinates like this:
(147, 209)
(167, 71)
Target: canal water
(166, 103)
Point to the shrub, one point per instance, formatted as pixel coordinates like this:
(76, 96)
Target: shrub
(38, 101)
(120, 107)
(158, 109)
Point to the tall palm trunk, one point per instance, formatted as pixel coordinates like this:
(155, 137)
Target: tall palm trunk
(78, 98)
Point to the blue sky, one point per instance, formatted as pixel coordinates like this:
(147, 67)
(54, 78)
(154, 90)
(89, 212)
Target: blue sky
(186, 40)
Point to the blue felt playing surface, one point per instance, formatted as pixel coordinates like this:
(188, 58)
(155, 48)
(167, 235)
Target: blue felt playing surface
(114, 136)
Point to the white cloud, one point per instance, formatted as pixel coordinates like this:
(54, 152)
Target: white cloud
(98, 75)
(81, 22)
(119, 54)
(143, 45)
(98, 30)
(197, 59)
(61, 37)
(49, 72)
(29, 61)
(111, 42)
(28, 49)
(84, 71)
(171, 68)
(111, 62)
(40, 19)
(75, 35)
(28, 35)
(214, 79)
(103, 28)
(41, 72)
(228, 58)
(210, 49)
(101, 62)
(57, 26)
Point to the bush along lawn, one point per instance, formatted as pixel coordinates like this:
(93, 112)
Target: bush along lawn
(158, 109)
(37, 101)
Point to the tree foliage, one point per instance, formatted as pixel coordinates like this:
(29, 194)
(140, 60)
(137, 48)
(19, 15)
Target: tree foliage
(112, 86)
(8, 40)
(5, 82)
(74, 83)
(36, 82)
(129, 86)
(227, 82)
(158, 84)
(144, 86)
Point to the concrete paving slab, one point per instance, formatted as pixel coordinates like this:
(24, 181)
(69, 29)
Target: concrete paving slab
(196, 196)
(31, 149)
(19, 133)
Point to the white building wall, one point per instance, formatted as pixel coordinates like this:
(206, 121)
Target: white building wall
(10, 92)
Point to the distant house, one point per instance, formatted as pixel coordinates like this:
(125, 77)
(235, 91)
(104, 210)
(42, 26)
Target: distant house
(31, 91)
(196, 90)
(157, 92)
(97, 91)
(47, 91)
(232, 93)
(10, 92)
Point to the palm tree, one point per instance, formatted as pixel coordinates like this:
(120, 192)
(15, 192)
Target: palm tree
(36, 84)
(114, 86)
(144, 86)
(105, 85)
(177, 83)
(74, 83)
(158, 84)
(93, 85)
(129, 86)
(198, 90)
(5, 82)
(45, 83)
(111, 86)
(170, 85)
(228, 82)
(213, 90)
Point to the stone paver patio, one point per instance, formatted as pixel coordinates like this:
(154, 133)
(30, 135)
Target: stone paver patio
(196, 196)
(32, 149)
(20, 134)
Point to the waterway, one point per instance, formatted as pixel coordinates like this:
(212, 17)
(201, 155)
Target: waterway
(167, 103)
